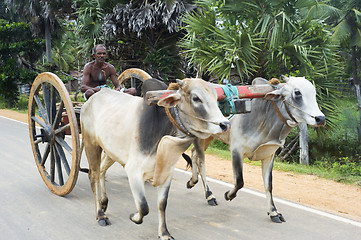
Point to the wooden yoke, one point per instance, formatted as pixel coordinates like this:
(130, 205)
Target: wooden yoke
(251, 91)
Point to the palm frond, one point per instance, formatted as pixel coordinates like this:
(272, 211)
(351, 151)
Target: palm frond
(342, 31)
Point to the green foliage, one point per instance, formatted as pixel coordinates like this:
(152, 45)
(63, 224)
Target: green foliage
(144, 35)
(219, 145)
(23, 102)
(89, 24)
(212, 47)
(347, 166)
(17, 44)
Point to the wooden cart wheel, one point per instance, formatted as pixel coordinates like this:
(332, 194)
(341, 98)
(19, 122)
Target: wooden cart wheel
(52, 122)
(133, 77)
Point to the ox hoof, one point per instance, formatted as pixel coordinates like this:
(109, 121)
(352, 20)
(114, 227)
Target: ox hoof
(134, 219)
(229, 198)
(278, 218)
(212, 202)
(104, 222)
(189, 185)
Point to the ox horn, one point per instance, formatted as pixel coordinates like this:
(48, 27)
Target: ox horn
(285, 78)
(180, 82)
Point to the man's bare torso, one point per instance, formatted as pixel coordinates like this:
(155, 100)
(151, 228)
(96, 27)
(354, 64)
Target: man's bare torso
(98, 76)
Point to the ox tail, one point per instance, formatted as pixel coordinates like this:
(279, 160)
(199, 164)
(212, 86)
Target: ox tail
(188, 160)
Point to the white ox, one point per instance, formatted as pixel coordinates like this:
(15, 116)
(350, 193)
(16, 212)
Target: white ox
(144, 141)
(257, 135)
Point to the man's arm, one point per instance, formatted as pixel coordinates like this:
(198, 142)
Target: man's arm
(113, 78)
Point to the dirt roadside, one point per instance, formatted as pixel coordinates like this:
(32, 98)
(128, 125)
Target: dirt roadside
(309, 190)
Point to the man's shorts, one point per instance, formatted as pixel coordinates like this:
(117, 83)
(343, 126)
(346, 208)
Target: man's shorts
(101, 87)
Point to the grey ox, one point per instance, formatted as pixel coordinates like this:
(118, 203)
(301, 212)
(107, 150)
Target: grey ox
(258, 134)
(143, 140)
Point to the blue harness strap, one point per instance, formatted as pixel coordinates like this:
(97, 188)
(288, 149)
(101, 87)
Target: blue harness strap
(227, 104)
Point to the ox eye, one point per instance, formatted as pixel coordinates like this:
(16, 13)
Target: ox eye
(298, 94)
(196, 99)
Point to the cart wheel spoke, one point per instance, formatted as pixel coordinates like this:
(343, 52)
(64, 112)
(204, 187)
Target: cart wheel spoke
(64, 144)
(43, 112)
(52, 165)
(47, 100)
(63, 158)
(62, 129)
(58, 115)
(38, 121)
(58, 167)
(45, 155)
(37, 141)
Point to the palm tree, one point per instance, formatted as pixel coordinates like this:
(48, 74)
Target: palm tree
(43, 16)
(90, 23)
(348, 32)
(218, 39)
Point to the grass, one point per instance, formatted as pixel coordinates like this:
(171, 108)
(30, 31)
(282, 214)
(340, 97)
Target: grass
(317, 170)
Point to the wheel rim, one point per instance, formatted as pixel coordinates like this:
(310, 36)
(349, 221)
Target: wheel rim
(56, 155)
(133, 77)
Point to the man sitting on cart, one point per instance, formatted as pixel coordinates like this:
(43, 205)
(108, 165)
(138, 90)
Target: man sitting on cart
(96, 73)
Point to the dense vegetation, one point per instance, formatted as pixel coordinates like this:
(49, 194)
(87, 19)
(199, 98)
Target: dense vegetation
(17, 47)
(234, 39)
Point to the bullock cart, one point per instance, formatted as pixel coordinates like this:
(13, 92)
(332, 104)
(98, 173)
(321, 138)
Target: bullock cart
(55, 131)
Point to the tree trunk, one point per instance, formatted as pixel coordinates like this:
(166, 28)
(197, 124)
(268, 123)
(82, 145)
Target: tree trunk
(48, 40)
(304, 157)
(357, 86)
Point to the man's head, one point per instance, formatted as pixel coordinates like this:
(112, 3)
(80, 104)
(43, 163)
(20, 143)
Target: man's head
(99, 53)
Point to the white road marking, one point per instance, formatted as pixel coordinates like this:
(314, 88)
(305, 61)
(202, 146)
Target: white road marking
(282, 201)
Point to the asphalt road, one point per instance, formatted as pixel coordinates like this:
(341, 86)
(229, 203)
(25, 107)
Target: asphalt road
(28, 210)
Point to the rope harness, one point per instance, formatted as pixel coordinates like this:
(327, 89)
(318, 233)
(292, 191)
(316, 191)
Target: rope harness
(280, 114)
(177, 122)
(227, 104)
(288, 111)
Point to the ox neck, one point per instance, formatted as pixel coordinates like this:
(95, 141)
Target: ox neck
(177, 121)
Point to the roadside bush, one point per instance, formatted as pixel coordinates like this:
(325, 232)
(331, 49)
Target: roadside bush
(219, 145)
(347, 166)
(22, 103)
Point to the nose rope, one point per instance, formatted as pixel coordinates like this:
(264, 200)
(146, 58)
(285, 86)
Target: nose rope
(288, 111)
(285, 101)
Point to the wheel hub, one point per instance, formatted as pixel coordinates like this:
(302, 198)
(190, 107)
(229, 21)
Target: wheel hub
(47, 134)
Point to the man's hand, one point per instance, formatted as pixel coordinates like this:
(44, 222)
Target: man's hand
(131, 91)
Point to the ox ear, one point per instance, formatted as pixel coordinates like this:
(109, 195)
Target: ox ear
(275, 94)
(169, 101)
(259, 81)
